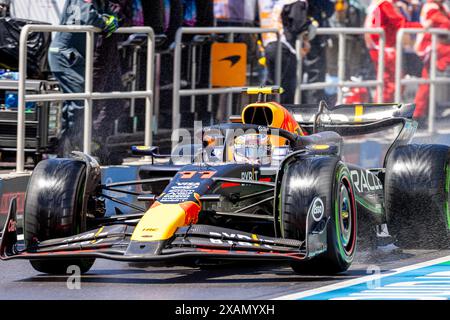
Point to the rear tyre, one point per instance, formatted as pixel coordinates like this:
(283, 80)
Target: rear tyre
(53, 209)
(417, 196)
(329, 179)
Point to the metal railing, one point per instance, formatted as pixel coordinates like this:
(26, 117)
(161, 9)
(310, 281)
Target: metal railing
(342, 33)
(230, 31)
(432, 81)
(88, 96)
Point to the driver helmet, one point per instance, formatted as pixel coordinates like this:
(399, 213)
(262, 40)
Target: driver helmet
(253, 149)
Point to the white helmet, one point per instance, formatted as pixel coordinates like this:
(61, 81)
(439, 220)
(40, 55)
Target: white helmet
(253, 148)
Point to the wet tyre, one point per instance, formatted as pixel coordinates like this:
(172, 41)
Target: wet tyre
(53, 207)
(329, 179)
(417, 196)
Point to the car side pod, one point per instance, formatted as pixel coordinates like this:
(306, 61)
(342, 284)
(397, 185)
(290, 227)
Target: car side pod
(9, 236)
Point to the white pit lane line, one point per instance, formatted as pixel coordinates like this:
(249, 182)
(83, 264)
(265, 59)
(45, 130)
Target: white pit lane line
(348, 283)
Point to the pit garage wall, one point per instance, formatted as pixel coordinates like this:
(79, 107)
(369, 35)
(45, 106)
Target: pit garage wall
(48, 11)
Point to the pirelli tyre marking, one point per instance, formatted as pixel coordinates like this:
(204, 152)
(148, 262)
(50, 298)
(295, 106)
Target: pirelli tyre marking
(317, 209)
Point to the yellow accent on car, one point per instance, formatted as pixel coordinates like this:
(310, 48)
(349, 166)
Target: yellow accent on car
(255, 237)
(263, 90)
(142, 148)
(320, 147)
(159, 223)
(359, 111)
(97, 234)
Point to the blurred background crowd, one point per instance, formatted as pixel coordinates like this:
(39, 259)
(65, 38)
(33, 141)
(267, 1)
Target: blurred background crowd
(294, 18)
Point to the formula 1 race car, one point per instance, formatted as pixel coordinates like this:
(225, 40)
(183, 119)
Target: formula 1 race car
(272, 184)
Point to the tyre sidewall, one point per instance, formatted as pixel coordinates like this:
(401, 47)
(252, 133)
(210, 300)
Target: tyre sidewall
(336, 250)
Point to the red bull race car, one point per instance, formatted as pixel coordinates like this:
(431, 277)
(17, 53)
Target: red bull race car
(275, 183)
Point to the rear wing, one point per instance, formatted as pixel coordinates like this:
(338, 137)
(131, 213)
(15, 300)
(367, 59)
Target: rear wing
(359, 120)
(345, 114)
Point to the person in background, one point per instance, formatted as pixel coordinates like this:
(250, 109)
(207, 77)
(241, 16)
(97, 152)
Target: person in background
(315, 62)
(435, 14)
(67, 63)
(358, 66)
(384, 14)
(412, 65)
(404, 8)
(415, 9)
(4, 8)
(108, 78)
(137, 13)
(154, 15)
(271, 12)
(235, 12)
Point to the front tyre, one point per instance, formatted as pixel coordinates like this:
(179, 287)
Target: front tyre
(329, 179)
(53, 208)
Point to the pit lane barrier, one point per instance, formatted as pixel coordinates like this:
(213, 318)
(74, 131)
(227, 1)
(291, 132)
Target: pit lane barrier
(342, 48)
(88, 96)
(230, 31)
(432, 81)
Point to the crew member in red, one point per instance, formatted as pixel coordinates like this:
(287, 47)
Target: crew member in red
(384, 14)
(434, 14)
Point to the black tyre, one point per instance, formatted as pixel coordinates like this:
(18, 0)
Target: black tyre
(417, 196)
(329, 179)
(53, 208)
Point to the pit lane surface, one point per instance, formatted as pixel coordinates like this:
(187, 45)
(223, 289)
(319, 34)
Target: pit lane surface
(113, 280)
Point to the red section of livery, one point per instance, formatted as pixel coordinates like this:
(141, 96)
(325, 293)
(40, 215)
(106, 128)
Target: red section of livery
(226, 185)
(192, 210)
(6, 200)
(289, 123)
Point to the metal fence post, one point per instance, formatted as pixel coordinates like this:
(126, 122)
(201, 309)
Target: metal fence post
(432, 102)
(298, 50)
(150, 87)
(20, 157)
(341, 66)
(134, 84)
(381, 66)
(278, 62)
(398, 65)
(193, 76)
(89, 85)
(230, 95)
(177, 82)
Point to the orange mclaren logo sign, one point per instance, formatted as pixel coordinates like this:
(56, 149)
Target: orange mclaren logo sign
(229, 64)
